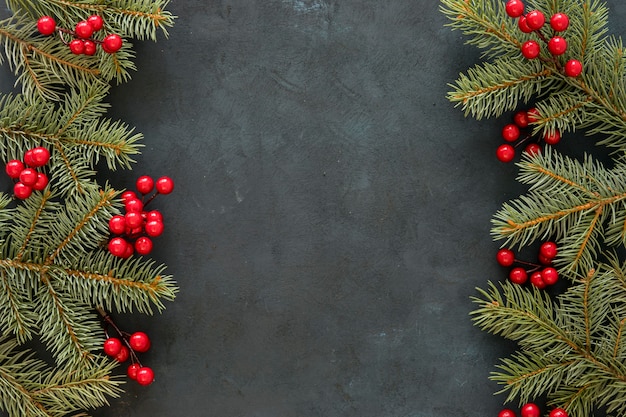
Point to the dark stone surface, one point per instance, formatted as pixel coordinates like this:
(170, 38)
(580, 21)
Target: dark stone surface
(331, 217)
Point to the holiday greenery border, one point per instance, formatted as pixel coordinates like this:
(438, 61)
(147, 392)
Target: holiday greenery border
(571, 351)
(58, 280)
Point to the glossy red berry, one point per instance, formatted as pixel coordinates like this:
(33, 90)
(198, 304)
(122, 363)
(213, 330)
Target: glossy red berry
(552, 138)
(531, 49)
(130, 249)
(510, 132)
(505, 257)
(139, 342)
(544, 261)
(46, 25)
(118, 246)
(90, 48)
(28, 176)
(127, 195)
(548, 249)
(535, 19)
(83, 29)
(39, 157)
(133, 204)
(154, 228)
(28, 158)
(522, 25)
(117, 224)
(559, 22)
(558, 412)
(514, 8)
(132, 369)
(164, 185)
(154, 215)
(533, 115)
(144, 184)
(22, 191)
(530, 410)
(112, 346)
(122, 355)
(520, 118)
(557, 45)
(96, 22)
(133, 219)
(143, 245)
(112, 43)
(550, 275)
(505, 153)
(77, 46)
(507, 413)
(42, 182)
(518, 275)
(573, 68)
(536, 279)
(145, 376)
(13, 168)
(532, 149)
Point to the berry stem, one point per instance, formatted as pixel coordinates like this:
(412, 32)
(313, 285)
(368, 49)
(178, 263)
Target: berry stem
(123, 335)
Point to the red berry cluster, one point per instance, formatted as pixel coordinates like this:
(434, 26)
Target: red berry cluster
(25, 174)
(533, 22)
(532, 410)
(541, 275)
(126, 345)
(83, 41)
(515, 135)
(134, 229)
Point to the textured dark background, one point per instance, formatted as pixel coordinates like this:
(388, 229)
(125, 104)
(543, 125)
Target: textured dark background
(331, 215)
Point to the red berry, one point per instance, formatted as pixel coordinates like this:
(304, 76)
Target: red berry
(558, 412)
(532, 149)
(533, 115)
(518, 275)
(557, 45)
(164, 185)
(129, 251)
(536, 279)
(13, 168)
(117, 224)
(133, 219)
(550, 276)
(559, 22)
(96, 22)
(22, 191)
(83, 29)
(523, 26)
(112, 43)
(505, 257)
(145, 184)
(133, 204)
(132, 370)
(552, 138)
(154, 215)
(520, 118)
(154, 228)
(122, 355)
(507, 413)
(510, 132)
(90, 48)
(531, 49)
(573, 68)
(39, 157)
(505, 153)
(127, 195)
(28, 176)
(118, 246)
(530, 410)
(143, 245)
(112, 346)
(139, 342)
(77, 46)
(548, 249)
(145, 376)
(28, 158)
(514, 8)
(46, 25)
(42, 182)
(535, 20)
(544, 261)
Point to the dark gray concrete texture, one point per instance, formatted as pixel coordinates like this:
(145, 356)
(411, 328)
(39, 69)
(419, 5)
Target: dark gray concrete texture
(331, 214)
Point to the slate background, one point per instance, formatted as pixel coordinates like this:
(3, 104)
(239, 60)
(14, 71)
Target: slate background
(331, 214)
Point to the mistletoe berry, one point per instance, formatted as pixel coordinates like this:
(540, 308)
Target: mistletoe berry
(518, 275)
(505, 153)
(558, 412)
(112, 43)
(510, 132)
(573, 68)
(505, 257)
(514, 8)
(46, 25)
(13, 168)
(112, 346)
(145, 376)
(557, 45)
(96, 22)
(535, 19)
(164, 185)
(139, 342)
(559, 22)
(531, 49)
(530, 410)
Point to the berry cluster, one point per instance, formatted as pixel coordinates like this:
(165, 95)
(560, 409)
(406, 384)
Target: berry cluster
(515, 135)
(25, 174)
(532, 410)
(134, 229)
(126, 345)
(83, 41)
(533, 22)
(541, 275)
